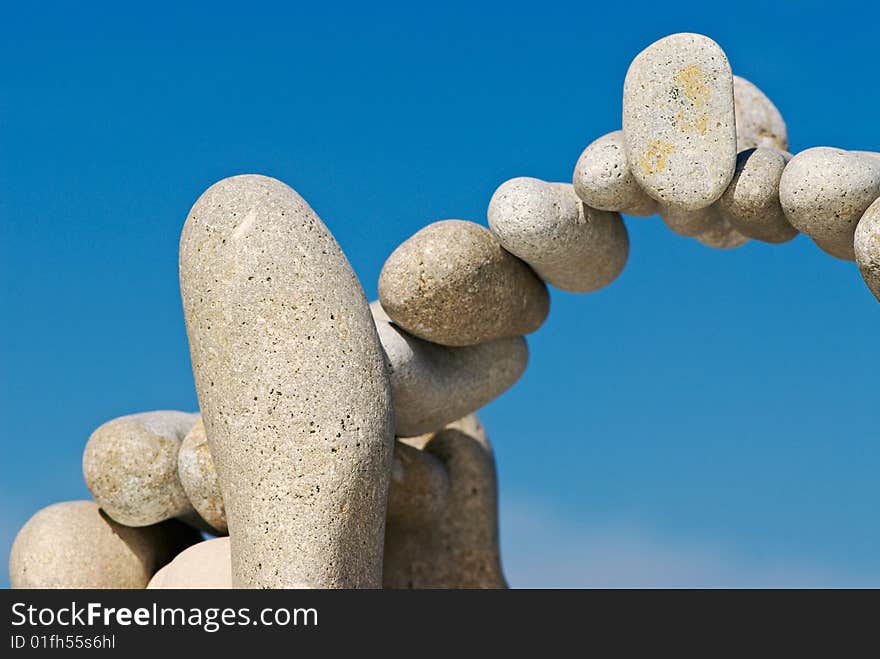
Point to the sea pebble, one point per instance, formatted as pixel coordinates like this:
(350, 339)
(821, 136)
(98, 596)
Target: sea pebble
(867, 247)
(679, 122)
(568, 244)
(433, 385)
(207, 564)
(459, 549)
(751, 201)
(603, 180)
(825, 191)
(452, 283)
(75, 544)
(199, 478)
(130, 467)
(292, 384)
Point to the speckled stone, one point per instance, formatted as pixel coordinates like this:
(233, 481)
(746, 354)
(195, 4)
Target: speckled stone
(207, 564)
(460, 548)
(758, 122)
(569, 245)
(76, 545)
(867, 247)
(433, 385)
(603, 180)
(751, 201)
(679, 122)
(199, 478)
(292, 385)
(452, 283)
(825, 191)
(419, 489)
(130, 467)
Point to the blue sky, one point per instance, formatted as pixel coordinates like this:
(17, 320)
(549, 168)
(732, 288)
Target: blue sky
(709, 419)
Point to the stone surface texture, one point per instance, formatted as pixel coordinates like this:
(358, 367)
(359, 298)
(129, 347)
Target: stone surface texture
(569, 245)
(130, 467)
(419, 489)
(74, 544)
(679, 121)
(292, 385)
(452, 283)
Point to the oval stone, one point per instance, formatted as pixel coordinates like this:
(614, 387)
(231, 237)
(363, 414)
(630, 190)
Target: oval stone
(679, 122)
(867, 247)
(720, 234)
(758, 122)
(419, 490)
(458, 549)
(292, 385)
(199, 478)
(569, 245)
(751, 201)
(603, 180)
(452, 283)
(130, 467)
(824, 193)
(74, 544)
(433, 385)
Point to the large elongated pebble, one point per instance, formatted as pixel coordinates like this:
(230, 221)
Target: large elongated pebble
(603, 180)
(199, 478)
(207, 564)
(74, 544)
(130, 467)
(751, 201)
(825, 191)
(569, 245)
(679, 122)
(460, 548)
(867, 247)
(452, 283)
(292, 385)
(758, 122)
(433, 385)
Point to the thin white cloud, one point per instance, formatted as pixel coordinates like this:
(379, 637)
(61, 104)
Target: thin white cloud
(542, 550)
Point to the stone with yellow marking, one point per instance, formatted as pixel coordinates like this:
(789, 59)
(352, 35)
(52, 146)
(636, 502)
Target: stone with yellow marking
(679, 121)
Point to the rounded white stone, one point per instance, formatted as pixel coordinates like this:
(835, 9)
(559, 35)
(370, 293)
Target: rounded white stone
(568, 244)
(603, 180)
(758, 121)
(679, 121)
(824, 193)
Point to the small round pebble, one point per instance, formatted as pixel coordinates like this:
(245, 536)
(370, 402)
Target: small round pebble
(758, 122)
(603, 180)
(679, 121)
(570, 245)
(74, 544)
(751, 201)
(452, 283)
(130, 467)
(867, 247)
(199, 478)
(825, 191)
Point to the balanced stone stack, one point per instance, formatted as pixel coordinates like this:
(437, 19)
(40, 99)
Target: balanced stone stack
(337, 445)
